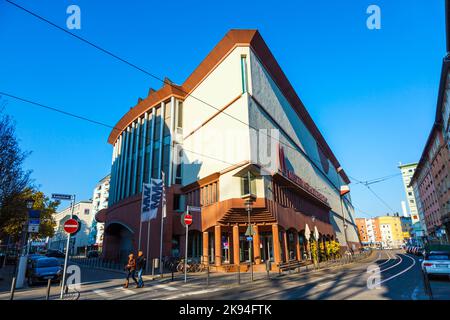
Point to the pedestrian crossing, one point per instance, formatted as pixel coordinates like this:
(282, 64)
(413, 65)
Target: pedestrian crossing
(149, 291)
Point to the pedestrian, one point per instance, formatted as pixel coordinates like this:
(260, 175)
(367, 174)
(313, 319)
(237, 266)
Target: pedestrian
(140, 267)
(131, 270)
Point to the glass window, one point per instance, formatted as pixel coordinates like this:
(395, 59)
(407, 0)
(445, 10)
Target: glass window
(246, 186)
(180, 115)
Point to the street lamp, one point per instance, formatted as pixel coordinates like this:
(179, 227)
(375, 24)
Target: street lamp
(29, 202)
(249, 233)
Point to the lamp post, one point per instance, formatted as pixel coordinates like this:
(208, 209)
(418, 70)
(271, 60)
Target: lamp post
(249, 207)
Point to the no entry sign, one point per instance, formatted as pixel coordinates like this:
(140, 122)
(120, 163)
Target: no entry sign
(188, 219)
(71, 226)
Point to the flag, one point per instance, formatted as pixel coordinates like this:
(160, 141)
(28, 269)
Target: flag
(151, 198)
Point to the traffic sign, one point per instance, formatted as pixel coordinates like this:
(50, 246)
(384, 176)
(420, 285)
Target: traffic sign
(250, 231)
(59, 196)
(249, 238)
(188, 219)
(34, 222)
(194, 209)
(33, 228)
(34, 214)
(71, 226)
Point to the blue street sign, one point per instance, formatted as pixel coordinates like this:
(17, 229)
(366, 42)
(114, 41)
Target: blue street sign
(34, 222)
(249, 238)
(59, 196)
(34, 214)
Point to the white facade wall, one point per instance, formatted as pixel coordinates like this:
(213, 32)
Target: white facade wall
(84, 211)
(223, 141)
(285, 118)
(100, 199)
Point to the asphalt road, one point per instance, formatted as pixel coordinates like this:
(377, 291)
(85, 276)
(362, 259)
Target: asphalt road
(386, 275)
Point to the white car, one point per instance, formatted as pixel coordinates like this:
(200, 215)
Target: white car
(437, 263)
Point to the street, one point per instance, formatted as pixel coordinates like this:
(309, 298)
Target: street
(398, 278)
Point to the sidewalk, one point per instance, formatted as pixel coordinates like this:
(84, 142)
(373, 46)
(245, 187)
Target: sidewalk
(6, 275)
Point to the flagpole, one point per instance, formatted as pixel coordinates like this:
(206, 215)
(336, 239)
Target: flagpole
(162, 223)
(140, 218)
(148, 244)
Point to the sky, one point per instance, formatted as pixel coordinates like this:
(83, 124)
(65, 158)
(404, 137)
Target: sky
(372, 93)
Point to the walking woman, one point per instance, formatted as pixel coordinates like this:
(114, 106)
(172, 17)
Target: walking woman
(131, 270)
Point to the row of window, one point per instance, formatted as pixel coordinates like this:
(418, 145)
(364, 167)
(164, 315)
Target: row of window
(143, 151)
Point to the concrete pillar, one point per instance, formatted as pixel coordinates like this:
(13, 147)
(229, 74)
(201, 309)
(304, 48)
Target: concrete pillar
(276, 244)
(205, 247)
(218, 245)
(256, 248)
(297, 246)
(236, 259)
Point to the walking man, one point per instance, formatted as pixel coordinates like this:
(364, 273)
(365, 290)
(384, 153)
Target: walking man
(140, 267)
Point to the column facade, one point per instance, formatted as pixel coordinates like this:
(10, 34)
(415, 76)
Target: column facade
(276, 244)
(236, 258)
(205, 252)
(256, 246)
(218, 245)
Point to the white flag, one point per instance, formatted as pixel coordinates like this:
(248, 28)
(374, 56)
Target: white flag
(151, 198)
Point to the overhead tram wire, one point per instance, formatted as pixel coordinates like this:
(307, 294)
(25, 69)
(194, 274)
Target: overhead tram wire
(297, 149)
(83, 118)
(367, 185)
(95, 122)
(158, 78)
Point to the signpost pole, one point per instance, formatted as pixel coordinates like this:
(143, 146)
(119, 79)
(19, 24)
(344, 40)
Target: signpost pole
(186, 251)
(67, 253)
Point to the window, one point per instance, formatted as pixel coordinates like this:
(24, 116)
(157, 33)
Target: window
(244, 73)
(180, 115)
(248, 188)
(86, 211)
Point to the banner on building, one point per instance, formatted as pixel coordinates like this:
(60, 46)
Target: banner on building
(151, 198)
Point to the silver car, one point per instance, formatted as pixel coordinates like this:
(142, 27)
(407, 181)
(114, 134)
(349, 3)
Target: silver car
(436, 263)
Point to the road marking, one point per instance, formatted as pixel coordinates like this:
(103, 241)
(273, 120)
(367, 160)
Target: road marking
(125, 290)
(165, 287)
(389, 256)
(102, 293)
(401, 272)
(358, 275)
(183, 295)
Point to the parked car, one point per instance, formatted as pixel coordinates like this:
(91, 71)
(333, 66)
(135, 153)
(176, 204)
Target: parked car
(43, 269)
(55, 254)
(437, 263)
(92, 254)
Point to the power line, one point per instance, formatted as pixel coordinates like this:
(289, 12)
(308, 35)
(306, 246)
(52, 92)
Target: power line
(59, 110)
(374, 193)
(95, 122)
(297, 148)
(115, 56)
(368, 182)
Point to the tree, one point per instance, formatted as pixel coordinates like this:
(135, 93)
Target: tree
(14, 214)
(13, 179)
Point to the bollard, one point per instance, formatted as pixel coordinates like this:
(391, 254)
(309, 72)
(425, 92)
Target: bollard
(49, 284)
(289, 266)
(239, 274)
(268, 268)
(13, 288)
(172, 274)
(207, 274)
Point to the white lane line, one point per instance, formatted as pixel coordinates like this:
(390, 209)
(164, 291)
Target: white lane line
(401, 272)
(127, 291)
(165, 287)
(102, 293)
(355, 276)
(389, 259)
(183, 295)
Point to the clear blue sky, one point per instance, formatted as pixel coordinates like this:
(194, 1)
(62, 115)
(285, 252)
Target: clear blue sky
(372, 93)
